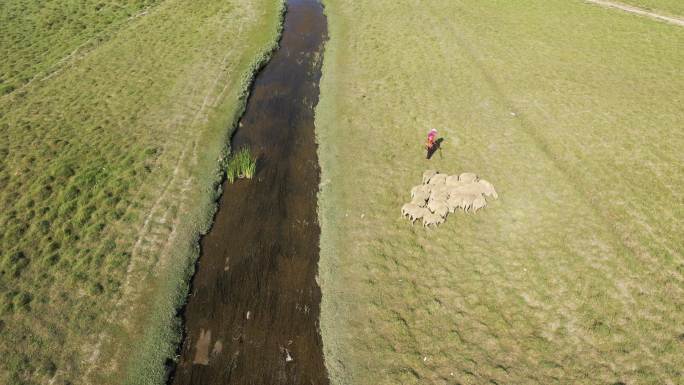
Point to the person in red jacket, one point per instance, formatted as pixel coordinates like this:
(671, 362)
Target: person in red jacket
(431, 145)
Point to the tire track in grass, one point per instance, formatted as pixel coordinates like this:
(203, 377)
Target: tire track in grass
(639, 11)
(81, 52)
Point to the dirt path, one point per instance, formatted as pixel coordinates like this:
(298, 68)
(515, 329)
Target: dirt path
(252, 315)
(639, 11)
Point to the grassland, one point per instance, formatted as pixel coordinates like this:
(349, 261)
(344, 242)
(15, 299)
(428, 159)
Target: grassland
(672, 7)
(113, 124)
(576, 274)
(36, 36)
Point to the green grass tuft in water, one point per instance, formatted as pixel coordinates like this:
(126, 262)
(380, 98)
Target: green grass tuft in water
(242, 164)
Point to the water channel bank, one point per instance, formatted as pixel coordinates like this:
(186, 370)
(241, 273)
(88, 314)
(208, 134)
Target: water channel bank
(253, 311)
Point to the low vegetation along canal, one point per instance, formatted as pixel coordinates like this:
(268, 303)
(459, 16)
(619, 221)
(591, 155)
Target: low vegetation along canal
(252, 314)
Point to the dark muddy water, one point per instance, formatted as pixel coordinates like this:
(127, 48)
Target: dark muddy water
(252, 315)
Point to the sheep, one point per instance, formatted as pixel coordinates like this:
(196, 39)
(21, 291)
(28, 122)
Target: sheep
(420, 200)
(442, 210)
(440, 195)
(439, 188)
(462, 200)
(478, 203)
(413, 212)
(421, 189)
(439, 192)
(430, 219)
(454, 202)
(469, 189)
(469, 200)
(406, 209)
(418, 213)
(427, 175)
(488, 189)
(438, 207)
(432, 203)
(452, 180)
(423, 197)
(468, 177)
(438, 179)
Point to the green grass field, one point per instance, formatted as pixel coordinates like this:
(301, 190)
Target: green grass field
(574, 112)
(37, 36)
(114, 117)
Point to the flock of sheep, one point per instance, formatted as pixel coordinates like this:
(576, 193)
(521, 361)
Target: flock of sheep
(441, 194)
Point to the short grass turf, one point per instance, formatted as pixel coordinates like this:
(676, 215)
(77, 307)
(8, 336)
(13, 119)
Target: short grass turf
(574, 113)
(36, 36)
(112, 133)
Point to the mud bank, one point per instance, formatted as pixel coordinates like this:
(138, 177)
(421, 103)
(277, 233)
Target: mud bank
(252, 314)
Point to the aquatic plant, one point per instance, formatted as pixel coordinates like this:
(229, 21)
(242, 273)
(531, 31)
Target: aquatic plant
(242, 164)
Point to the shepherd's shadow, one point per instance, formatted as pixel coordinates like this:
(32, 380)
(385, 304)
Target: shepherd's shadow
(435, 147)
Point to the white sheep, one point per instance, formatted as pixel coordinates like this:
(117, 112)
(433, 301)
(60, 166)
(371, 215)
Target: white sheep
(488, 189)
(468, 177)
(459, 201)
(464, 201)
(452, 180)
(478, 203)
(440, 195)
(469, 200)
(438, 207)
(454, 203)
(418, 213)
(427, 175)
(406, 209)
(438, 179)
(472, 188)
(420, 200)
(430, 219)
(413, 212)
(439, 188)
(421, 189)
(439, 192)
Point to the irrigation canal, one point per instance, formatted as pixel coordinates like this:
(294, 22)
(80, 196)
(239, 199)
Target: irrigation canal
(253, 311)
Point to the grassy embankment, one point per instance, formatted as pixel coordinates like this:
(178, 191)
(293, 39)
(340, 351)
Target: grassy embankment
(671, 7)
(112, 131)
(574, 113)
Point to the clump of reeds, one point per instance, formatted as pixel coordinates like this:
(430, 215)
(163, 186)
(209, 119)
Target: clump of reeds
(241, 165)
